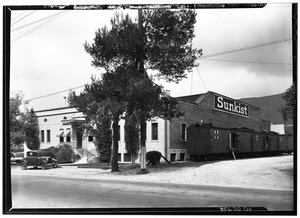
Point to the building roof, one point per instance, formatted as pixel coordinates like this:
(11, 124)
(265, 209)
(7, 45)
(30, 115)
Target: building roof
(191, 98)
(54, 109)
(199, 97)
(194, 99)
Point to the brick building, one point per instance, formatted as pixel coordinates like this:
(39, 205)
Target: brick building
(203, 108)
(168, 137)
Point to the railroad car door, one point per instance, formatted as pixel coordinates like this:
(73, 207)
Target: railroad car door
(267, 144)
(251, 142)
(234, 141)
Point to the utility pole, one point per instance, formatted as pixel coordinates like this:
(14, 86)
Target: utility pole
(141, 70)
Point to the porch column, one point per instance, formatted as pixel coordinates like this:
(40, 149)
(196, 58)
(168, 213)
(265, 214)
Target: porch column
(85, 149)
(73, 136)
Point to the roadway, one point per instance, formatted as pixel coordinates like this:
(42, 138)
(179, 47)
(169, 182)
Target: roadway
(61, 192)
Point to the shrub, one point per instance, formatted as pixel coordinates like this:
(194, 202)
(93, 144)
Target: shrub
(76, 157)
(64, 153)
(153, 157)
(105, 155)
(46, 152)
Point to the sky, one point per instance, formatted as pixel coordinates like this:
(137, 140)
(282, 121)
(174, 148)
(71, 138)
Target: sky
(49, 58)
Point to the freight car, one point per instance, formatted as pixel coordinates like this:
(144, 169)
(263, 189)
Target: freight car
(207, 142)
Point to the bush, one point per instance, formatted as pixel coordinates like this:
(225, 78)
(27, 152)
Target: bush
(46, 152)
(105, 155)
(153, 157)
(64, 153)
(76, 157)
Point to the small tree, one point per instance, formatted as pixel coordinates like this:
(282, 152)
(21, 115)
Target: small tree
(288, 111)
(16, 117)
(105, 97)
(103, 136)
(31, 130)
(132, 136)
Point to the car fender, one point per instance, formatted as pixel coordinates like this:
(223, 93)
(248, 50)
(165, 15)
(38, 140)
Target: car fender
(22, 161)
(43, 162)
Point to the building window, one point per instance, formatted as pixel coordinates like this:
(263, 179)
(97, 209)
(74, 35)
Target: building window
(173, 157)
(184, 132)
(119, 156)
(61, 135)
(42, 136)
(146, 131)
(154, 131)
(127, 157)
(119, 133)
(182, 155)
(68, 135)
(48, 135)
(91, 138)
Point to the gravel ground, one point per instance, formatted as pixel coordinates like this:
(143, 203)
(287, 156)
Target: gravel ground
(264, 172)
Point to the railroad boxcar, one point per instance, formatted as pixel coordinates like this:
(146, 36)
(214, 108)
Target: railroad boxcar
(205, 142)
(212, 142)
(290, 143)
(283, 144)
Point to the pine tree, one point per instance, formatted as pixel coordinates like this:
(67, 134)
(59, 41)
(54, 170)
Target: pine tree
(288, 110)
(160, 40)
(31, 130)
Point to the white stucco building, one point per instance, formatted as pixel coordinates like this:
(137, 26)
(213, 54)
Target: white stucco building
(59, 126)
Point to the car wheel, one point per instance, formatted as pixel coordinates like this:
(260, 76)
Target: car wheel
(55, 165)
(44, 166)
(23, 166)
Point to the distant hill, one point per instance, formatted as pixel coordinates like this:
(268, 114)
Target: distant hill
(269, 106)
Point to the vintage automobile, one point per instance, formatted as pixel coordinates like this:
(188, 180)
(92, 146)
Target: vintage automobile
(33, 159)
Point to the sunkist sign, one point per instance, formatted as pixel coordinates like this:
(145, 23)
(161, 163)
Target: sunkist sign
(228, 105)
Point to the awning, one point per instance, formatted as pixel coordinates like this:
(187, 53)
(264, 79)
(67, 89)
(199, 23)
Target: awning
(61, 132)
(74, 119)
(67, 133)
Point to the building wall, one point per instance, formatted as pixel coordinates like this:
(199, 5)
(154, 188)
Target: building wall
(151, 145)
(169, 138)
(52, 120)
(204, 112)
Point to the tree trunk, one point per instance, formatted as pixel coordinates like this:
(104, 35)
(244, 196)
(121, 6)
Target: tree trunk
(143, 145)
(114, 160)
(141, 70)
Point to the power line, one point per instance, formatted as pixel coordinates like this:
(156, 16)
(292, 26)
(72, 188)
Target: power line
(246, 48)
(40, 26)
(23, 18)
(19, 15)
(36, 21)
(248, 62)
(204, 58)
(201, 78)
(54, 93)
